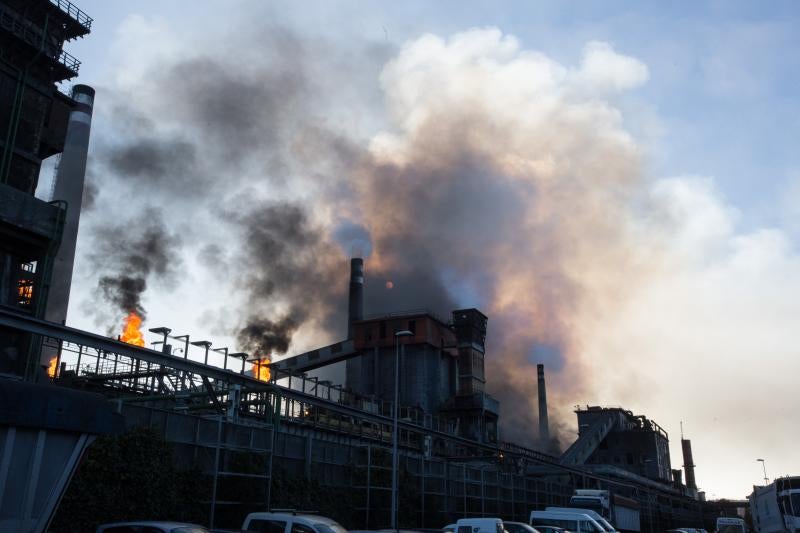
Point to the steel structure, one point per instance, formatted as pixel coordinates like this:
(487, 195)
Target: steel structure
(240, 430)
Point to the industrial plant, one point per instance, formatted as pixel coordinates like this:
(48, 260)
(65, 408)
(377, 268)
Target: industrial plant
(415, 382)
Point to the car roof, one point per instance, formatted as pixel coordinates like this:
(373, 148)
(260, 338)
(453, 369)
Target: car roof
(578, 512)
(271, 514)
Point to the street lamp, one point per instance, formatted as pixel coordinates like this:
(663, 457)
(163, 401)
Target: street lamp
(403, 333)
(185, 339)
(223, 351)
(162, 331)
(763, 465)
(243, 356)
(204, 344)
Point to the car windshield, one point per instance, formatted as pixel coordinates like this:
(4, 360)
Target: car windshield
(605, 524)
(333, 527)
(189, 529)
(795, 504)
(731, 528)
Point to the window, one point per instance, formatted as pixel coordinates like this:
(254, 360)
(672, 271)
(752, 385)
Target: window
(795, 504)
(300, 528)
(382, 330)
(266, 526)
(332, 527)
(589, 527)
(412, 326)
(570, 525)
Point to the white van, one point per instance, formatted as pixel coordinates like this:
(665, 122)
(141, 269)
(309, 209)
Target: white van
(290, 522)
(594, 514)
(480, 525)
(576, 522)
(730, 525)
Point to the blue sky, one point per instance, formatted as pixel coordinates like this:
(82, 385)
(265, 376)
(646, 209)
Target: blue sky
(723, 75)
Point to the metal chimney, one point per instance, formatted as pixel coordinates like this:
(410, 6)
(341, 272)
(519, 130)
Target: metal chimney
(544, 427)
(688, 463)
(355, 309)
(69, 188)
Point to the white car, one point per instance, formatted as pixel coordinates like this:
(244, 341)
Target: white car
(289, 522)
(151, 527)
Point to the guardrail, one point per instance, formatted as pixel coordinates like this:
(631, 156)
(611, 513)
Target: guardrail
(72, 10)
(69, 61)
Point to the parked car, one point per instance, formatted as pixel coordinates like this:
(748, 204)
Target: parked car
(290, 522)
(480, 525)
(572, 521)
(151, 527)
(541, 528)
(518, 527)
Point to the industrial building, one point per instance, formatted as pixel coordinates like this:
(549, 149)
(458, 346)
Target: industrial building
(37, 121)
(242, 432)
(238, 429)
(44, 430)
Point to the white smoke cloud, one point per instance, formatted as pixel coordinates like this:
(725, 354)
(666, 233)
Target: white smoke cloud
(605, 71)
(656, 298)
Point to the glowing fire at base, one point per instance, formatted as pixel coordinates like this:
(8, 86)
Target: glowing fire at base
(261, 369)
(51, 367)
(130, 330)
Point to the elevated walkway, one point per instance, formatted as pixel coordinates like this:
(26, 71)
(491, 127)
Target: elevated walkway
(589, 440)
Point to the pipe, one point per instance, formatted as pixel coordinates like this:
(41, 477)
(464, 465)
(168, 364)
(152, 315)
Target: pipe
(688, 463)
(355, 309)
(544, 427)
(69, 188)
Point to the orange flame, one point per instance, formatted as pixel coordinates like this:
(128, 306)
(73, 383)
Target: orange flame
(51, 367)
(130, 330)
(261, 369)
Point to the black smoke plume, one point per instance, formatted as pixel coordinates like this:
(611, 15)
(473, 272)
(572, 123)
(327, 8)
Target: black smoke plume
(262, 336)
(129, 255)
(290, 275)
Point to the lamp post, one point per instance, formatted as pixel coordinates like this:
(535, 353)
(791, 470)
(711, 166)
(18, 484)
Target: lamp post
(243, 356)
(204, 344)
(162, 331)
(223, 351)
(763, 465)
(403, 333)
(185, 339)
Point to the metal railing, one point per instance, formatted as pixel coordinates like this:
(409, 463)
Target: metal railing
(72, 10)
(69, 61)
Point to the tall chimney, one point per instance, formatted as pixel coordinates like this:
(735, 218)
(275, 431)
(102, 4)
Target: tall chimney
(69, 188)
(355, 308)
(688, 463)
(544, 428)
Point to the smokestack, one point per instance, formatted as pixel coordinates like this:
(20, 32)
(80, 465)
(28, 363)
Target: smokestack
(688, 463)
(69, 188)
(677, 476)
(355, 309)
(544, 428)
